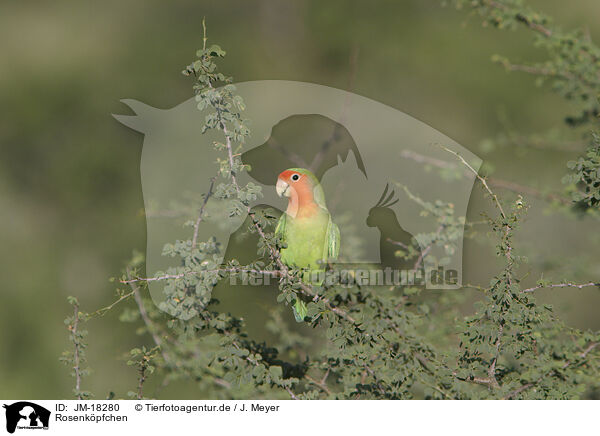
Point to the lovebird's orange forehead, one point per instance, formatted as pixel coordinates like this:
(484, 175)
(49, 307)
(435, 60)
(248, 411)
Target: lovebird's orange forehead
(293, 177)
(287, 175)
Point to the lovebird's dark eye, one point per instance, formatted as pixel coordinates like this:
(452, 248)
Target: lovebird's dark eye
(295, 177)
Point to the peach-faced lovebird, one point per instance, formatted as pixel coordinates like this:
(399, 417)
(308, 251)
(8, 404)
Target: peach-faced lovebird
(311, 237)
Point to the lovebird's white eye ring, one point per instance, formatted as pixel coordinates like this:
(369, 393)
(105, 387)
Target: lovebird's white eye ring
(295, 177)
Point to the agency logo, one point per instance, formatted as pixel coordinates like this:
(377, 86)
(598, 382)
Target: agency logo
(396, 197)
(25, 415)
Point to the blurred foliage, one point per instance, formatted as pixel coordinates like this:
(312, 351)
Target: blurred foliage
(586, 173)
(70, 195)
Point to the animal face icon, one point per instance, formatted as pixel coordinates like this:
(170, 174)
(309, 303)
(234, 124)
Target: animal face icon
(26, 414)
(397, 247)
(382, 210)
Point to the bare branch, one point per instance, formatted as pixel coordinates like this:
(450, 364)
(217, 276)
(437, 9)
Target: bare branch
(480, 178)
(201, 213)
(289, 391)
(76, 353)
(427, 249)
(148, 322)
(321, 384)
(562, 285)
(492, 369)
(493, 181)
(520, 17)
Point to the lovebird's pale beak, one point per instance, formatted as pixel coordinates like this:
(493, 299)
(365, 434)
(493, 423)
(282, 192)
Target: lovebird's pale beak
(282, 188)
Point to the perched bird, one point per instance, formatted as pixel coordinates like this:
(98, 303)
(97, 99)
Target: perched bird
(311, 237)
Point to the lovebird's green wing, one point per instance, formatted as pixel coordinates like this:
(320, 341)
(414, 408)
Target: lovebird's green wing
(281, 226)
(295, 256)
(332, 241)
(299, 308)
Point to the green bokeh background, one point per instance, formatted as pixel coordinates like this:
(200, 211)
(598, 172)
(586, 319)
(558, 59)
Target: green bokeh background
(70, 192)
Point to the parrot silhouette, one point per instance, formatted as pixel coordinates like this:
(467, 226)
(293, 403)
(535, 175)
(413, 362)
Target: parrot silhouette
(311, 237)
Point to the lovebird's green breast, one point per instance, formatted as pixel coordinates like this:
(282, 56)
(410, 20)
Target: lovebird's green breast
(305, 238)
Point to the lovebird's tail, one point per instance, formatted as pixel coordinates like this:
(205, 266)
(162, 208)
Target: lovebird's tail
(300, 310)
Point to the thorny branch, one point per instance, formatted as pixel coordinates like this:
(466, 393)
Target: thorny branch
(562, 285)
(493, 181)
(147, 321)
(201, 213)
(76, 354)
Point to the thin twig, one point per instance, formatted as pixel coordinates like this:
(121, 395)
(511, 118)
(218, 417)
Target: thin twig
(521, 18)
(506, 226)
(480, 178)
(492, 368)
(76, 354)
(562, 285)
(289, 391)
(493, 181)
(320, 384)
(515, 187)
(140, 392)
(188, 273)
(201, 213)
(427, 249)
(148, 322)
(103, 310)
